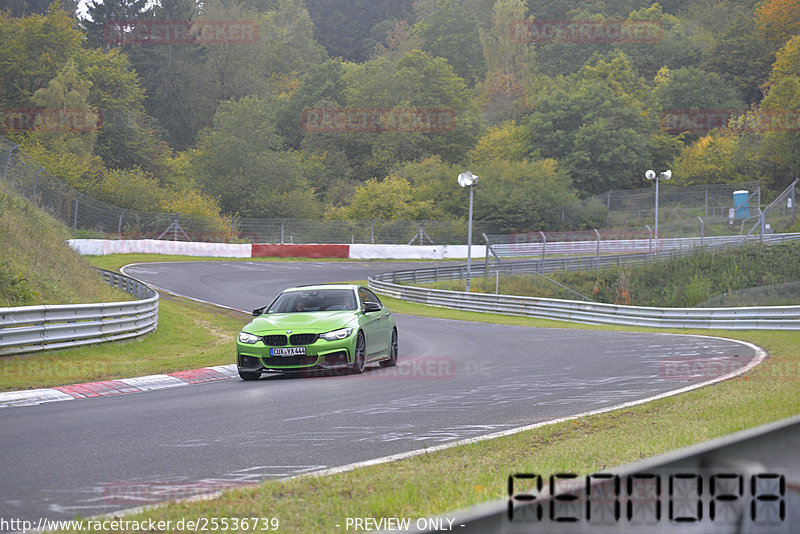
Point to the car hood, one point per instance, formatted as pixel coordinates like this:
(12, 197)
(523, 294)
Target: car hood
(310, 322)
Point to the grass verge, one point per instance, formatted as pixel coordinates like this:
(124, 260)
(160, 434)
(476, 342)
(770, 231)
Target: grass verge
(36, 265)
(189, 335)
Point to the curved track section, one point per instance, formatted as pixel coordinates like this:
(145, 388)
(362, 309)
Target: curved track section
(455, 380)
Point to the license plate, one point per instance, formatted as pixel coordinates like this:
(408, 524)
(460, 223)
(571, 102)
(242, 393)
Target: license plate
(288, 351)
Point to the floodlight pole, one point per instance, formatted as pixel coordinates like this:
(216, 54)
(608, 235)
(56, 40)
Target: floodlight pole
(469, 238)
(656, 217)
(651, 175)
(467, 179)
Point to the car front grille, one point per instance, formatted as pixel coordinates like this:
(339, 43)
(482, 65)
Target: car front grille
(303, 339)
(276, 340)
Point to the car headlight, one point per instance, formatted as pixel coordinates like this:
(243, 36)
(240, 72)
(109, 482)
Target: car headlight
(244, 337)
(342, 333)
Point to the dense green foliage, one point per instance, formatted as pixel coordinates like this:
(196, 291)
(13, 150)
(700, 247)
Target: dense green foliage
(543, 121)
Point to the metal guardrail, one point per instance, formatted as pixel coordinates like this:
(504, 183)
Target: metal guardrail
(29, 329)
(614, 246)
(394, 283)
(751, 318)
(564, 263)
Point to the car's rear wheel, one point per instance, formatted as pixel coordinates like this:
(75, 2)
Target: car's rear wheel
(249, 375)
(360, 356)
(392, 361)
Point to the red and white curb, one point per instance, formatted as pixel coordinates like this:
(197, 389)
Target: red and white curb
(31, 397)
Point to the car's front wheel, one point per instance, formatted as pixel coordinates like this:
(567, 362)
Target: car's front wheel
(249, 375)
(360, 356)
(392, 361)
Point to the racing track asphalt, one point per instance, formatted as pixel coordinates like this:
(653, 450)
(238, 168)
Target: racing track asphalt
(455, 380)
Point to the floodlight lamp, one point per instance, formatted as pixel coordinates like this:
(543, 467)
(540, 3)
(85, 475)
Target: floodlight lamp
(466, 179)
(666, 175)
(650, 174)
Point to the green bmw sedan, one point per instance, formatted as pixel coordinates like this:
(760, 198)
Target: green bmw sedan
(332, 326)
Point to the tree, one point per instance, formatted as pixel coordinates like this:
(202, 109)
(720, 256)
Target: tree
(345, 27)
(266, 68)
(68, 92)
(778, 20)
(511, 195)
(321, 85)
(741, 57)
(690, 88)
(452, 33)
(391, 198)
(679, 44)
(32, 50)
(415, 81)
(241, 160)
(505, 141)
(600, 125)
(520, 195)
(779, 110)
(166, 71)
(511, 64)
(104, 17)
(128, 137)
(718, 157)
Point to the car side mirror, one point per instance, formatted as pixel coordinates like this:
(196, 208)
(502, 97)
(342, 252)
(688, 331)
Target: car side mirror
(258, 311)
(371, 307)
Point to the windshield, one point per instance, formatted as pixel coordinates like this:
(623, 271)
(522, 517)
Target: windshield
(313, 301)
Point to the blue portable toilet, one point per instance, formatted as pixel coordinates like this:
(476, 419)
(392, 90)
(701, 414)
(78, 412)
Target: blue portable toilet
(741, 204)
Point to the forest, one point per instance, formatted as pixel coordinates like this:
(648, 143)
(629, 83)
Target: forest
(362, 109)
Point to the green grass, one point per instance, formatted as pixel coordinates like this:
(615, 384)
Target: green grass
(36, 265)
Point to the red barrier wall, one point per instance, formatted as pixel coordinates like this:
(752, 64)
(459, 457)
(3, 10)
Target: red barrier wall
(301, 251)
